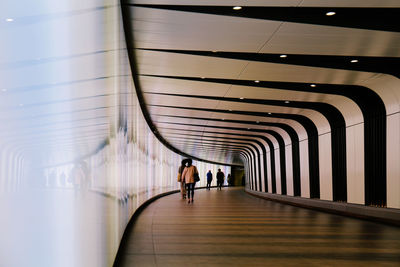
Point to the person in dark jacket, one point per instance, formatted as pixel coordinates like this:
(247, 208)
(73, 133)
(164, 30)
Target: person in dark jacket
(209, 179)
(220, 179)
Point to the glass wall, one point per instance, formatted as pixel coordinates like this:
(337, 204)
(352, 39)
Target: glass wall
(77, 157)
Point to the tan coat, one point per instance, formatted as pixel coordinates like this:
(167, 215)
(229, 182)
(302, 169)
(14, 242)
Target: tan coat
(188, 174)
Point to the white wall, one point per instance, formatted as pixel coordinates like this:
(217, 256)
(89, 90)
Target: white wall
(304, 170)
(77, 157)
(393, 162)
(325, 167)
(355, 164)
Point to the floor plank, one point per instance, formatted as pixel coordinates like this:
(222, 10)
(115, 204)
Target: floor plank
(230, 227)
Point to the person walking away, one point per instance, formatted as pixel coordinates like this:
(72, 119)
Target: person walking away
(229, 179)
(220, 179)
(188, 176)
(182, 181)
(209, 179)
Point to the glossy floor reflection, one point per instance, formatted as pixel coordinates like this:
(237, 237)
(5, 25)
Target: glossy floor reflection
(230, 227)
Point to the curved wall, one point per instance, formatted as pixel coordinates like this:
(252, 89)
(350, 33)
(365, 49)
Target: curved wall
(77, 158)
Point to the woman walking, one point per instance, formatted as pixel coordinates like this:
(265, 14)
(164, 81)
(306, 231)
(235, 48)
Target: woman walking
(181, 180)
(188, 176)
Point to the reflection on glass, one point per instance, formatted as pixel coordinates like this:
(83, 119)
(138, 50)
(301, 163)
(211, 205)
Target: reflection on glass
(77, 157)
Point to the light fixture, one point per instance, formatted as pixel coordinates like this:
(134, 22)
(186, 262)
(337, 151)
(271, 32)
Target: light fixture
(237, 8)
(241, 98)
(269, 113)
(354, 61)
(248, 128)
(230, 110)
(214, 51)
(223, 119)
(313, 85)
(9, 20)
(203, 77)
(287, 102)
(257, 122)
(330, 13)
(283, 56)
(257, 81)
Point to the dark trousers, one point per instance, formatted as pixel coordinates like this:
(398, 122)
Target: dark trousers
(219, 184)
(208, 185)
(190, 188)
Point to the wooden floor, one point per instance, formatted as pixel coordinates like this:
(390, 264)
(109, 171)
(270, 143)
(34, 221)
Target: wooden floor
(232, 228)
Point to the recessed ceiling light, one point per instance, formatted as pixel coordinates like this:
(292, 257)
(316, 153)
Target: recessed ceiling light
(248, 128)
(223, 119)
(214, 51)
(237, 7)
(241, 98)
(269, 113)
(330, 13)
(230, 110)
(256, 81)
(9, 20)
(354, 61)
(283, 56)
(287, 102)
(203, 77)
(257, 121)
(313, 85)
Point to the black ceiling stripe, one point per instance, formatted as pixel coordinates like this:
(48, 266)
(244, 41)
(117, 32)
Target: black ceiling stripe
(216, 147)
(376, 64)
(208, 148)
(382, 19)
(213, 149)
(128, 30)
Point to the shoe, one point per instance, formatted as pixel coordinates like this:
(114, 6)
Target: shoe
(192, 200)
(189, 201)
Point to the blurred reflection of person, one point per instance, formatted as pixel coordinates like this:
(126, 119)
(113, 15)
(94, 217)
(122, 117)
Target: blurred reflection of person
(229, 179)
(62, 179)
(188, 176)
(77, 176)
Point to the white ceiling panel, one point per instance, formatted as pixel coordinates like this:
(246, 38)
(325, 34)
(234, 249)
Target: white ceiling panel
(173, 86)
(310, 3)
(221, 3)
(284, 72)
(297, 38)
(351, 3)
(155, 28)
(159, 63)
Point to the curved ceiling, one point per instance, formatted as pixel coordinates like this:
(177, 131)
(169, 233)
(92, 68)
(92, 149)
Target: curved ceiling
(216, 82)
